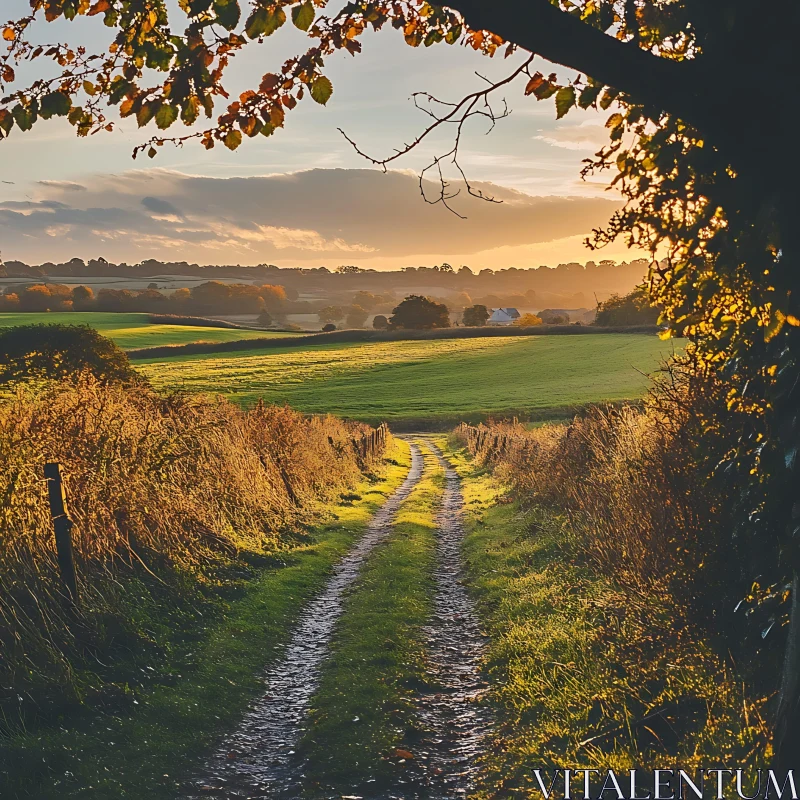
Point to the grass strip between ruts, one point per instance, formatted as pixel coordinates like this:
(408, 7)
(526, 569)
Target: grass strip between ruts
(145, 755)
(363, 710)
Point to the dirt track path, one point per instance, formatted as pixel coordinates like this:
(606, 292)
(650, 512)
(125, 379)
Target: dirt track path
(256, 761)
(456, 725)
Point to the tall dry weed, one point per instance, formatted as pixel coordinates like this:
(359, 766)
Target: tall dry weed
(154, 485)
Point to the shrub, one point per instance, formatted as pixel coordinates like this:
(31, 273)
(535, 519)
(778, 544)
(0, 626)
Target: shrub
(57, 351)
(380, 322)
(528, 320)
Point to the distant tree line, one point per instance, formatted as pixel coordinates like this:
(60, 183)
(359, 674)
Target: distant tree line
(485, 285)
(212, 297)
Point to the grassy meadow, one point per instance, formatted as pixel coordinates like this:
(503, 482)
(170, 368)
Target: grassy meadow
(132, 331)
(434, 381)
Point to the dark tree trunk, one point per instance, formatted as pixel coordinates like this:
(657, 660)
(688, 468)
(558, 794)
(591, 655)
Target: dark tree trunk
(787, 721)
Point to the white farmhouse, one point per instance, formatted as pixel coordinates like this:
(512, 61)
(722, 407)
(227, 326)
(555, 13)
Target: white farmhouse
(503, 316)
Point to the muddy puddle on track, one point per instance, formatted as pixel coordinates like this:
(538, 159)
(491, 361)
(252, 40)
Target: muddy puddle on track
(455, 725)
(258, 760)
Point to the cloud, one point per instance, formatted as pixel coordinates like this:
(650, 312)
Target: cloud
(64, 186)
(312, 217)
(159, 206)
(590, 135)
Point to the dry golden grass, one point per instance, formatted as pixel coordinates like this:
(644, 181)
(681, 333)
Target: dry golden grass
(161, 486)
(637, 503)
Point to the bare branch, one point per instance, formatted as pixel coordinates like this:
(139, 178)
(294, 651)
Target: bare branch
(476, 104)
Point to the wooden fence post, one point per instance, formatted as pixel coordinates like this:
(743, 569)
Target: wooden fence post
(62, 526)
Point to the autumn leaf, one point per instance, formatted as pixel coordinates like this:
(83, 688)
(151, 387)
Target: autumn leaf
(99, 7)
(534, 83)
(256, 24)
(166, 115)
(23, 117)
(228, 13)
(145, 114)
(264, 22)
(565, 100)
(55, 104)
(250, 126)
(322, 89)
(303, 15)
(233, 139)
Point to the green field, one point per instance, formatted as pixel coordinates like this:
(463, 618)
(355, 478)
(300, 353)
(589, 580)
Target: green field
(132, 331)
(444, 380)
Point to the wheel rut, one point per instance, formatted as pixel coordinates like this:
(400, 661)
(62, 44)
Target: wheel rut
(455, 724)
(257, 761)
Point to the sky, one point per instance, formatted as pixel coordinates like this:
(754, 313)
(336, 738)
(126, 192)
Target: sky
(303, 197)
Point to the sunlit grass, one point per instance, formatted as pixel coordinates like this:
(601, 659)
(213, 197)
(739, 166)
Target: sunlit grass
(430, 380)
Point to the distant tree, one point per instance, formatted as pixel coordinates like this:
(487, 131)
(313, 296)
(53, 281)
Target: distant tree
(551, 317)
(365, 299)
(331, 314)
(465, 270)
(527, 320)
(349, 270)
(475, 316)
(181, 297)
(274, 297)
(631, 309)
(265, 319)
(9, 301)
(356, 317)
(420, 313)
(36, 298)
(82, 298)
(116, 300)
(329, 327)
(60, 351)
(152, 286)
(380, 323)
(445, 267)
